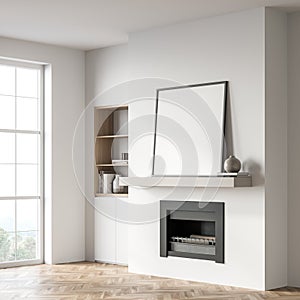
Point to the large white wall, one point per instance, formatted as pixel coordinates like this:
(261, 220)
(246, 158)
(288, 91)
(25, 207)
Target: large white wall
(229, 47)
(293, 149)
(64, 214)
(248, 49)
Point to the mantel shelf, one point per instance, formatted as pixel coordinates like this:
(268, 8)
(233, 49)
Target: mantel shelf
(198, 182)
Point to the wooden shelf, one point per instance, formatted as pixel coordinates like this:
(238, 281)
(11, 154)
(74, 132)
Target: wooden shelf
(112, 107)
(112, 136)
(111, 165)
(111, 195)
(192, 181)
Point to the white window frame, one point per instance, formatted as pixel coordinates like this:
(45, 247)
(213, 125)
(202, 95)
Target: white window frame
(40, 67)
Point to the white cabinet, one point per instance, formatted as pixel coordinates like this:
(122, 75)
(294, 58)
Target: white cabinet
(105, 229)
(111, 235)
(121, 231)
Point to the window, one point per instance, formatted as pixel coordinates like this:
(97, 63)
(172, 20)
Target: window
(21, 173)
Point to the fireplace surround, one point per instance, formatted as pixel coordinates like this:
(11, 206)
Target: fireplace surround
(192, 229)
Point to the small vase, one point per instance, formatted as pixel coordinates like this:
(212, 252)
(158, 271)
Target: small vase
(232, 164)
(116, 185)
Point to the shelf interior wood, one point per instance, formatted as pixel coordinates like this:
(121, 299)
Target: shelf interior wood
(112, 136)
(112, 107)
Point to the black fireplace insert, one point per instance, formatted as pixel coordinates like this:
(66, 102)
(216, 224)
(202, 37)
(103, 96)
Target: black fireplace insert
(192, 229)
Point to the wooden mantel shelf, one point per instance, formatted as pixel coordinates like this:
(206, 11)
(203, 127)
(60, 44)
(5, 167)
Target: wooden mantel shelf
(198, 182)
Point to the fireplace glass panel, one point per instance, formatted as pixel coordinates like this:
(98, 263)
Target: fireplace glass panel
(185, 228)
(192, 236)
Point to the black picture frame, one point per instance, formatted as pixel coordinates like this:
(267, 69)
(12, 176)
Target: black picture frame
(190, 86)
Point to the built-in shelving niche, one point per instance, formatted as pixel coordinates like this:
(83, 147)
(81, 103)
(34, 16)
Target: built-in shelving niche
(111, 139)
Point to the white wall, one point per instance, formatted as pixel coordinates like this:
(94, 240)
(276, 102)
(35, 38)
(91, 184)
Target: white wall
(276, 148)
(64, 218)
(293, 149)
(249, 50)
(229, 47)
(104, 69)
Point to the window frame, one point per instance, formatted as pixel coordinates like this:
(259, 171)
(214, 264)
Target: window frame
(41, 68)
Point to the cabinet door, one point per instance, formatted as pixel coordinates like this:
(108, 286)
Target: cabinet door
(105, 229)
(121, 231)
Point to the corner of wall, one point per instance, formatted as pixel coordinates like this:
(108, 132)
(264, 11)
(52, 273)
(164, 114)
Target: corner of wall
(275, 148)
(293, 149)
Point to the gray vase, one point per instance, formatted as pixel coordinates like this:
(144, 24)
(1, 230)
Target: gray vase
(232, 164)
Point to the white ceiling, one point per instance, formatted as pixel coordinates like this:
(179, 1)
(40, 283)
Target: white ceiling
(90, 24)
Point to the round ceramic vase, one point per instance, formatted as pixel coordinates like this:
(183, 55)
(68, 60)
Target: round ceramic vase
(232, 164)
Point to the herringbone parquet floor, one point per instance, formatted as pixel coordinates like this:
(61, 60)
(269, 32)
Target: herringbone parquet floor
(102, 281)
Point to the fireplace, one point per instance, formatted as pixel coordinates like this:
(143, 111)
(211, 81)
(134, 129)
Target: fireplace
(192, 230)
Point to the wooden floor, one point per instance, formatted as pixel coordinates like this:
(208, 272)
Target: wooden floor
(102, 281)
